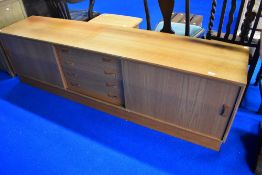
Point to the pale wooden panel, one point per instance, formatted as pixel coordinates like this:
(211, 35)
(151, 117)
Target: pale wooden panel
(196, 56)
(190, 102)
(11, 12)
(117, 20)
(33, 59)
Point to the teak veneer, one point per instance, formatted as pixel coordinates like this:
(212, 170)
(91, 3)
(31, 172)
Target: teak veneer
(188, 88)
(117, 20)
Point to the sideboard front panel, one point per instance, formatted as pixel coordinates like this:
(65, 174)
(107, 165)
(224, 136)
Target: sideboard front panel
(33, 59)
(194, 103)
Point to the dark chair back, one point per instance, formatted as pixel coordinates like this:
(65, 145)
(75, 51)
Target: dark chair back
(59, 9)
(248, 24)
(166, 7)
(37, 8)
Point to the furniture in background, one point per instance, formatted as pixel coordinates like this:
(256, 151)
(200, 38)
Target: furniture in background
(60, 9)
(248, 27)
(11, 11)
(181, 24)
(259, 159)
(117, 20)
(259, 77)
(188, 88)
(255, 9)
(260, 89)
(37, 8)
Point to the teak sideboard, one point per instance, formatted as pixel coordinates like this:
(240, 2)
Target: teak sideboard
(188, 88)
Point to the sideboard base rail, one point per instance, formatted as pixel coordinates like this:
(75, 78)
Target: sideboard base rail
(120, 112)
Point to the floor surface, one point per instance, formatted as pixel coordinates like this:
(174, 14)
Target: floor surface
(42, 133)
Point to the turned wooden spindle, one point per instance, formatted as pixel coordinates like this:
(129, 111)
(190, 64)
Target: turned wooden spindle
(231, 19)
(148, 22)
(166, 7)
(249, 18)
(212, 19)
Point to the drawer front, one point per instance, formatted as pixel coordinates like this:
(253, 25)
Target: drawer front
(11, 12)
(93, 63)
(95, 85)
(92, 74)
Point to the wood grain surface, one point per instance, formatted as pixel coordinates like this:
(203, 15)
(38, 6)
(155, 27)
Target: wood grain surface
(210, 59)
(117, 20)
(198, 104)
(121, 112)
(33, 59)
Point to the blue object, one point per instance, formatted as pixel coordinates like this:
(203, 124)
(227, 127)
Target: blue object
(179, 29)
(78, 15)
(45, 134)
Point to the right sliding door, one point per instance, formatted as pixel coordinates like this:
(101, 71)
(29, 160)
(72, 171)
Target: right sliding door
(194, 103)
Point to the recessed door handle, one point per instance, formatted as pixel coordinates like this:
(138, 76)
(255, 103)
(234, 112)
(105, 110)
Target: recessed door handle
(225, 110)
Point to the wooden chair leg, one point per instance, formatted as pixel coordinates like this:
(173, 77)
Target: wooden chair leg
(253, 65)
(91, 9)
(259, 158)
(259, 75)
(166, 7)
(260, 110)
(251, 70)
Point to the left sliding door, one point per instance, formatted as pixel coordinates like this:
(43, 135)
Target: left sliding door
(33, 59)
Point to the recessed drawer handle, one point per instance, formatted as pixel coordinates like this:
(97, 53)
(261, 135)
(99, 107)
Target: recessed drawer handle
(110, 84)
(225, 110)
(71, 74)
(111, 95)
(74, 84)
(107, 72)
(70, 63)
(107, 59)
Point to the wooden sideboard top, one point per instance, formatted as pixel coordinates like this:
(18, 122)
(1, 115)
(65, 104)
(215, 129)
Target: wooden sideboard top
(211, 59)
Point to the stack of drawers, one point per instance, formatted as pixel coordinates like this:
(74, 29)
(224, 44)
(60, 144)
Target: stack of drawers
(92, 74)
